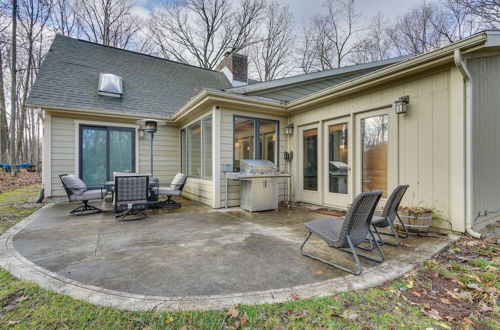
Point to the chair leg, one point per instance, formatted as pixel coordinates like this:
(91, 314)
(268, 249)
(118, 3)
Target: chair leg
(353, 251)
(169, 204)
(131, 215)
(379, 260)
(407, 233)
(85, 209)
(394, 234)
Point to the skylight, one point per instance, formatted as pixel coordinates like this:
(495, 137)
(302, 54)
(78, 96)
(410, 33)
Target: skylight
(110, 85)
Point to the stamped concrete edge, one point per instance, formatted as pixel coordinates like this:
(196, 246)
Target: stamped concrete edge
(22, 268)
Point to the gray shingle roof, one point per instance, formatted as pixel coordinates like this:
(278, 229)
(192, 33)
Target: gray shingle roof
(294, 87)
(69, 78)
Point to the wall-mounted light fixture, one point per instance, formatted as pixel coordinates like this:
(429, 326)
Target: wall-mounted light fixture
(289, 129)
(401, 103)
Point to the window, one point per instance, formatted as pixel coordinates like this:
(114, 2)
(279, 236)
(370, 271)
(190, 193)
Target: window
(196, 149)
(255, 139)
(183, 151)
(207, 146)
(104, 150)
(374, 139)
(337, 158)
(310, 165)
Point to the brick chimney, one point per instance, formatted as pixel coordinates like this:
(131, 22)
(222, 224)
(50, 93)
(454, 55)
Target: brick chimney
(235, 67)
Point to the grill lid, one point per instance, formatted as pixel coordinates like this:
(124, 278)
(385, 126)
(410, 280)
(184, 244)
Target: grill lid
(257, 166)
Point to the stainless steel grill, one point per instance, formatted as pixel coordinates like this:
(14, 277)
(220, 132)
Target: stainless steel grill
(259, 184)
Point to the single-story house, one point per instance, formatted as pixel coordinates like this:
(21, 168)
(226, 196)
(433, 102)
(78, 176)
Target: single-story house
(431, 121)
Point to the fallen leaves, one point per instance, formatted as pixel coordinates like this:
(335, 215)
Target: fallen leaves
(294, 295)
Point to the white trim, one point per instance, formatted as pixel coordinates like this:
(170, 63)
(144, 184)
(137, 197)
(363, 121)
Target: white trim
(216, 157)
(47, 155)
(78, 122)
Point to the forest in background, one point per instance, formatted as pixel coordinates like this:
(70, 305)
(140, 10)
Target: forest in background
(200, 32)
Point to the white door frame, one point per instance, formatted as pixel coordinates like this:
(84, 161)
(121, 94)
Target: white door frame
(336, 199)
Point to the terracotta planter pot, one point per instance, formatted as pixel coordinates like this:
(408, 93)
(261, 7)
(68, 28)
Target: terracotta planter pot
(415, 223)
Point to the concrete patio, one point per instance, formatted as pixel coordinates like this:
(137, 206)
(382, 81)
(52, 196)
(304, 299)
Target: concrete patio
(194, 257)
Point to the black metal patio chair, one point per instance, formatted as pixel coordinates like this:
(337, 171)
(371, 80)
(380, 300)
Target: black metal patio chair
(131, 197)
(390, 215)
(77, 191)
(346, 235)
(175, 189)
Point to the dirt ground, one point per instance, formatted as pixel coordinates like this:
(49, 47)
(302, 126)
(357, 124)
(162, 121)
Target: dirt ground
(460, 285)
(22, 179)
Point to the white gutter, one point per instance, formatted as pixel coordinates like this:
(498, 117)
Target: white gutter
(457, 56)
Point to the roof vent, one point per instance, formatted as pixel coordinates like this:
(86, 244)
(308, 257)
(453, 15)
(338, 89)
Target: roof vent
(110, 85)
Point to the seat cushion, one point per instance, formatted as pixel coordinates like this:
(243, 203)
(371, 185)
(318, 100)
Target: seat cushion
(379, 221)
(178, 181)
(74, 183)
(163, 191)
(89, 195)
(328, 229)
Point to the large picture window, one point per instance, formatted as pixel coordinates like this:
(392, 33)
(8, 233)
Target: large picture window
(196, 149)
(255, 138)
(104, 150)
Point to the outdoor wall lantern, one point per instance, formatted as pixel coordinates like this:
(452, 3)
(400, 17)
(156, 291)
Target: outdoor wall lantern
(401, 103)
(150, 127)
(289, 129)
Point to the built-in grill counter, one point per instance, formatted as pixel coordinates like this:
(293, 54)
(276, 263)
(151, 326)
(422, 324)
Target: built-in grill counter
(259, 184)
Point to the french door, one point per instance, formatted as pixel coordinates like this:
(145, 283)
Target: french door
(104, 150)
(376, 155)
(337, 160)
(309, 167)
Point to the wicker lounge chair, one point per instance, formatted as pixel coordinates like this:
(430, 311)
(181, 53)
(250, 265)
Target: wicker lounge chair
(346, 235)
(131, 197)
(389, 216)
(175, 189)
(77, 191)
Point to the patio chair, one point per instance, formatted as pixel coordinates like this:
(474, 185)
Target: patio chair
(346, 235)
(77, 191)
(131, 197)
(389, 216)
(175, 189)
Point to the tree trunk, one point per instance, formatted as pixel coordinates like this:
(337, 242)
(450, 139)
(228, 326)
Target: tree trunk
(13, 91)
(22, 109)
(3, 118)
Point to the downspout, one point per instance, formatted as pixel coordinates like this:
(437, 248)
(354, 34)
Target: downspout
(457, 56)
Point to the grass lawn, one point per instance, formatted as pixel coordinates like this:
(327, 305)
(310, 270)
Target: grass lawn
(457, 289)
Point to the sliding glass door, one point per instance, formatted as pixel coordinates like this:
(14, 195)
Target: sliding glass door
(104, 150)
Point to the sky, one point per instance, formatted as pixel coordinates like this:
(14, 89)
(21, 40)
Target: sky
(303, 9)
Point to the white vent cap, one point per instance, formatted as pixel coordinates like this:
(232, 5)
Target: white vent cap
(110, 85)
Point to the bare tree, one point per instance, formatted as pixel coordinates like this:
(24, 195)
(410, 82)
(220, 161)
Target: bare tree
(33, 17)
(375, 44)
(64, 17)
(201, 31)
(332, 35)
(13, 90)
(487, 10)
(415, 32)
(108, 22)
(4, 135)
(271, 57)
(307, 52)
(455, 21)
